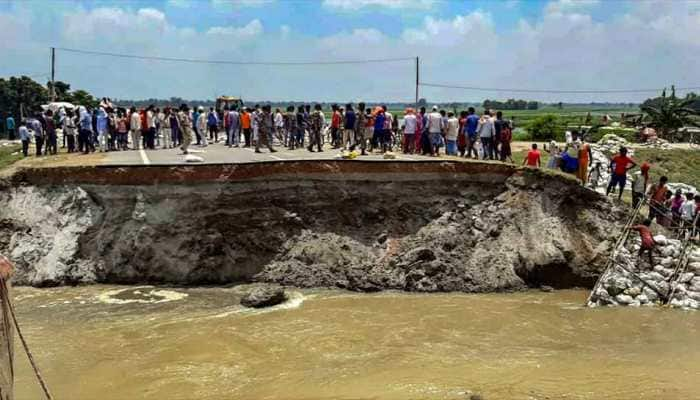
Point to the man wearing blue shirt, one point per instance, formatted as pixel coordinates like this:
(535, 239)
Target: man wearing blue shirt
(10, 124)
(470, 128)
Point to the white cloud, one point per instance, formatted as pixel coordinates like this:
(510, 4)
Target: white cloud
(253, 28)
(649, 44)
(351, 5)
(474, 28)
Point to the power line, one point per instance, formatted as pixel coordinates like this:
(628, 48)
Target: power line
(591, 91)
(201, 61)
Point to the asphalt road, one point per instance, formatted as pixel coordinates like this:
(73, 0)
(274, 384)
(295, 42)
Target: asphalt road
(220, 153)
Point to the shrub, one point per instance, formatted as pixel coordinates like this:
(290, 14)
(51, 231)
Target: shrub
(545, 127)
(521, 135)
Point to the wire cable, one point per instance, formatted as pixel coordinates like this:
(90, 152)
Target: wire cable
(592, 91)
(200, 61)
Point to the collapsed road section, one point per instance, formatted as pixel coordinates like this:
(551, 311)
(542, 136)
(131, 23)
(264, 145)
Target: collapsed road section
(367, 226)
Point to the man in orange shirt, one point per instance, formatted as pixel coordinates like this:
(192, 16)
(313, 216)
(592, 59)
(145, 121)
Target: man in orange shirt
(533, 158)
(245, 125)
(657, 197)
(619, 166)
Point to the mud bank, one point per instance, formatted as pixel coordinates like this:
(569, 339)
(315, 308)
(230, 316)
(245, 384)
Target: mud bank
(416, 226)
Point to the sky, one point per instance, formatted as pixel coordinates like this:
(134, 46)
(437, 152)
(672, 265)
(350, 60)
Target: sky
(509, 44)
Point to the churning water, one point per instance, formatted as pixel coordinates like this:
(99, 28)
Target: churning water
(117, 342)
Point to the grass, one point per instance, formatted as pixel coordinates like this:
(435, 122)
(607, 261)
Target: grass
(677, 164)
(9, 154)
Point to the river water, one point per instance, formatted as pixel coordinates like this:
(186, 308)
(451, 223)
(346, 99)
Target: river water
(117, 342)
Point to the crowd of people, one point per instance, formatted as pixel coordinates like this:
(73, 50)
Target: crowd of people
(111, 128)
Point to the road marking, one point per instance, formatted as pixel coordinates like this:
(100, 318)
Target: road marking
(144, 157)
(276, 158)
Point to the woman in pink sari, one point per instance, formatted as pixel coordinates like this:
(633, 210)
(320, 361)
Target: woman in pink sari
(419, 132)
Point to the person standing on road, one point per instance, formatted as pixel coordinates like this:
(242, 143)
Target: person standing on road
(451, 135)
(185, 121)
(290, 126)
(348, 127)
(195, 119)
(335, 126)
(24, 137)
(435, 131)
(486, 133)
(245, 125)
(212, 125)
(317, 122)
(471, 127)
(279, 127)
(51, 135)
(301, 126)
(619, 166)
(10, 125)
(85, 143)
(378, 135)
(410, 126)
(387, 136)
(360, 123)
(69, 130)
(202, 124)
(506, 139)
(497, 128)
(164, 128)
(102, 129)
(266, 129)
(233, 121)
(150, 127)
(135, 127)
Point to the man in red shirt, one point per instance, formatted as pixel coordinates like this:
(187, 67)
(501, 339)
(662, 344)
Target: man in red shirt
(648, 242)
(619, 166)
(335, 126)
(533, 157)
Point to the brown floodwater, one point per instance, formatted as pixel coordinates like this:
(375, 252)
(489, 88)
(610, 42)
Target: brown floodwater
(117, 342)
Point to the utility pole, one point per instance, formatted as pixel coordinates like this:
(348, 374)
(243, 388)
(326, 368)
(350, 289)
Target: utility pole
(417, 79)
(52, 92)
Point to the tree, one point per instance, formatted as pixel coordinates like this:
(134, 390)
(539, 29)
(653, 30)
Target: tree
(21, 94)
(669, 113)
(83, 98)
(545, 127)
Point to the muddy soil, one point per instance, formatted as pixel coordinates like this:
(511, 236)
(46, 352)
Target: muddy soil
(422, 232)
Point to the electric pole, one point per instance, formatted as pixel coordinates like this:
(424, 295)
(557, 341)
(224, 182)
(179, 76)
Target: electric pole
(417, 79)
(52, 89)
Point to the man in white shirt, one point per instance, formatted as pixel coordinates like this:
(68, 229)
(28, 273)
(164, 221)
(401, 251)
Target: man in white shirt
(202, 126)
(410, 124)
(135, 127)
(279, 127)
(451, 135)
(486, 132)
(435, 128)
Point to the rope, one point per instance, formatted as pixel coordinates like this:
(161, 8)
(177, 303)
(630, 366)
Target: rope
(8, 304)
(200, 61)
(620, 242)
(583, 91)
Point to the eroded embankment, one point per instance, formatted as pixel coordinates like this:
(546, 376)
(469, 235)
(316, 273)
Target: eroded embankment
(424, 226)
